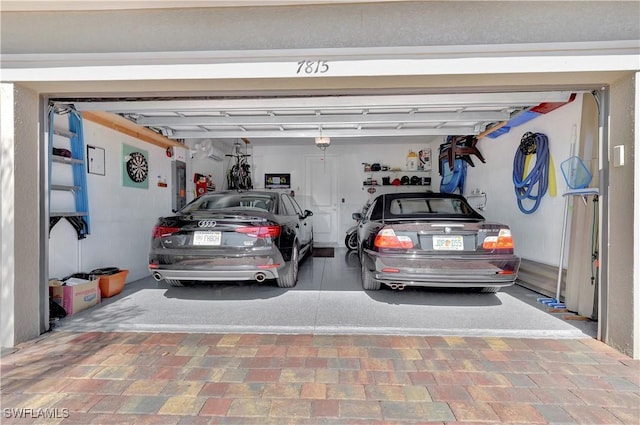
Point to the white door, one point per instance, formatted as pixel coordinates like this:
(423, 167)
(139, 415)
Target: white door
(323, 197)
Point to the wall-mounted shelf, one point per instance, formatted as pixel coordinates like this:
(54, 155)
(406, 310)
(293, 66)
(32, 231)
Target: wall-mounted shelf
(398, 171)
(481, 205)
(392, 185)
(375, 178)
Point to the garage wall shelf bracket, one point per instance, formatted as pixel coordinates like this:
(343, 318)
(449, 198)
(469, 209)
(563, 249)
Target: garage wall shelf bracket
(74, 157)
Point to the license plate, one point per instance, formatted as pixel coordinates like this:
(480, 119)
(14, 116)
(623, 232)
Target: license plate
(448, 243)
(207, 238)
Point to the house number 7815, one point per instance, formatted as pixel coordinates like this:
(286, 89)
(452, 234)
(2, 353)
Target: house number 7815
(312, 67)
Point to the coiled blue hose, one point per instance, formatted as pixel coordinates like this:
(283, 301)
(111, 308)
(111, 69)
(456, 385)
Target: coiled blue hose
(538, 177)
(452, 180)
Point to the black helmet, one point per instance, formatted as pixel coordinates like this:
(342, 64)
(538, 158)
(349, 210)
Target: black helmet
(404, 180)
(415, 180)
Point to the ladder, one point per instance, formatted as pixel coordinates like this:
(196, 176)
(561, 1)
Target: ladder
(79, 218)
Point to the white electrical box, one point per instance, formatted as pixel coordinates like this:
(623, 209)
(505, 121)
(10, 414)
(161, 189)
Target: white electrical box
(618, 156)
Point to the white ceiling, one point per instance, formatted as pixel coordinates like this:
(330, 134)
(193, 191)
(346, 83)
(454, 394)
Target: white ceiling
(340, 117)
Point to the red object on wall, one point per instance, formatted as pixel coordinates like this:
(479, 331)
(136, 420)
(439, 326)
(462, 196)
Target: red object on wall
(201, 187)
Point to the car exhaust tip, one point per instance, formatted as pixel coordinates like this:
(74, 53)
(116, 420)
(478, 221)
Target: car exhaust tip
(157, 276)
(393, 286)
(260, 277)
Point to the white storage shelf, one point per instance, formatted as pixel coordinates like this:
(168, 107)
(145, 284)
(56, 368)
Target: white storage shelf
(393, 174)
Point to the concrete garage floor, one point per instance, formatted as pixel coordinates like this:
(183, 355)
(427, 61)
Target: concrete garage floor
(328, 299)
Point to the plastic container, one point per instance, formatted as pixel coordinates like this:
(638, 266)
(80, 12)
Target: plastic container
(111, 283)
(575, 173)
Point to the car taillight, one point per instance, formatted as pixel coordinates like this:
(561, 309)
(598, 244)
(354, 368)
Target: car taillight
(164, 231)
(260, 231)
(502, 241)
(386, 238)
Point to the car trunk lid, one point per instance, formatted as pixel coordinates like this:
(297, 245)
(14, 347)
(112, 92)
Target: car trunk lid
(440, 237)
(224, 230)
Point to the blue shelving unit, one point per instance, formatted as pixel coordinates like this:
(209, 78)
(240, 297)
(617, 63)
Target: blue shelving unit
(79, 218)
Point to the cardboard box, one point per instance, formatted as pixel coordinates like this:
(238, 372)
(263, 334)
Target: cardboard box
(113, 284)
(77, 297)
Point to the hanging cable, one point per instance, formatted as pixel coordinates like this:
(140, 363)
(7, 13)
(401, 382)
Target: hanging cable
(535, 184)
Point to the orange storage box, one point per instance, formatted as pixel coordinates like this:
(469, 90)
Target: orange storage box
(113, 284)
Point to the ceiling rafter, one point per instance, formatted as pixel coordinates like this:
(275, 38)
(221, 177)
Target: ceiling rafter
(346, 133)
(417, 117)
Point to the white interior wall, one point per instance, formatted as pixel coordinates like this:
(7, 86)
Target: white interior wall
(537, 236)
(351, 193)
(207, 166)
(122, 218)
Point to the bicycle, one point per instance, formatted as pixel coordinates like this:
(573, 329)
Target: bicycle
(239, 174)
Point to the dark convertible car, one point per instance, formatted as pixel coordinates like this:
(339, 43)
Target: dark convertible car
(433, 239)
(232, 235)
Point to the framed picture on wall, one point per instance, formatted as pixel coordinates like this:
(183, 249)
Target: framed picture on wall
(95, 160)
(135, 167)
(277, 181)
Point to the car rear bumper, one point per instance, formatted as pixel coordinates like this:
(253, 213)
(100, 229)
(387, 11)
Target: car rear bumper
(460, 271)
(169, 265)
(214, 275)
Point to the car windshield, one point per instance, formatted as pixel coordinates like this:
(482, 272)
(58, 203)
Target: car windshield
(230, 201)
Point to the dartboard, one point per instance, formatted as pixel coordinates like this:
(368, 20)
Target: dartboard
(137, 167)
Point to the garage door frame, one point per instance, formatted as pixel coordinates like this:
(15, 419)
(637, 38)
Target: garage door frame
(608, 60)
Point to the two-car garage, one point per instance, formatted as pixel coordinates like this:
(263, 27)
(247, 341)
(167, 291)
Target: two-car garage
(376, 94)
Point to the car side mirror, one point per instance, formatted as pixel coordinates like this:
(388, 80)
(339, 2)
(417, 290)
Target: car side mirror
(357, 216)
(307, 213)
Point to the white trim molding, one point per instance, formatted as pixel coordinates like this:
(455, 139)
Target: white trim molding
(621, 55)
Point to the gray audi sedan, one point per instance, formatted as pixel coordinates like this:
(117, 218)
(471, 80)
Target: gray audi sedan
(232, 235)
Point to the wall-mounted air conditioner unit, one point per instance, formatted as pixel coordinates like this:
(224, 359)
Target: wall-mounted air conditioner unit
(204, 149)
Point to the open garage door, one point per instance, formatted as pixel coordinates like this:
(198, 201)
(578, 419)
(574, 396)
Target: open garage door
(334, 116)
(281, 131)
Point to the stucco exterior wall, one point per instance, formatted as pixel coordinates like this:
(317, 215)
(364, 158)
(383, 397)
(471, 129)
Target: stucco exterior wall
(346, 26)
(428, 23)
(621, 326)
(7, 227)
(21, 286)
